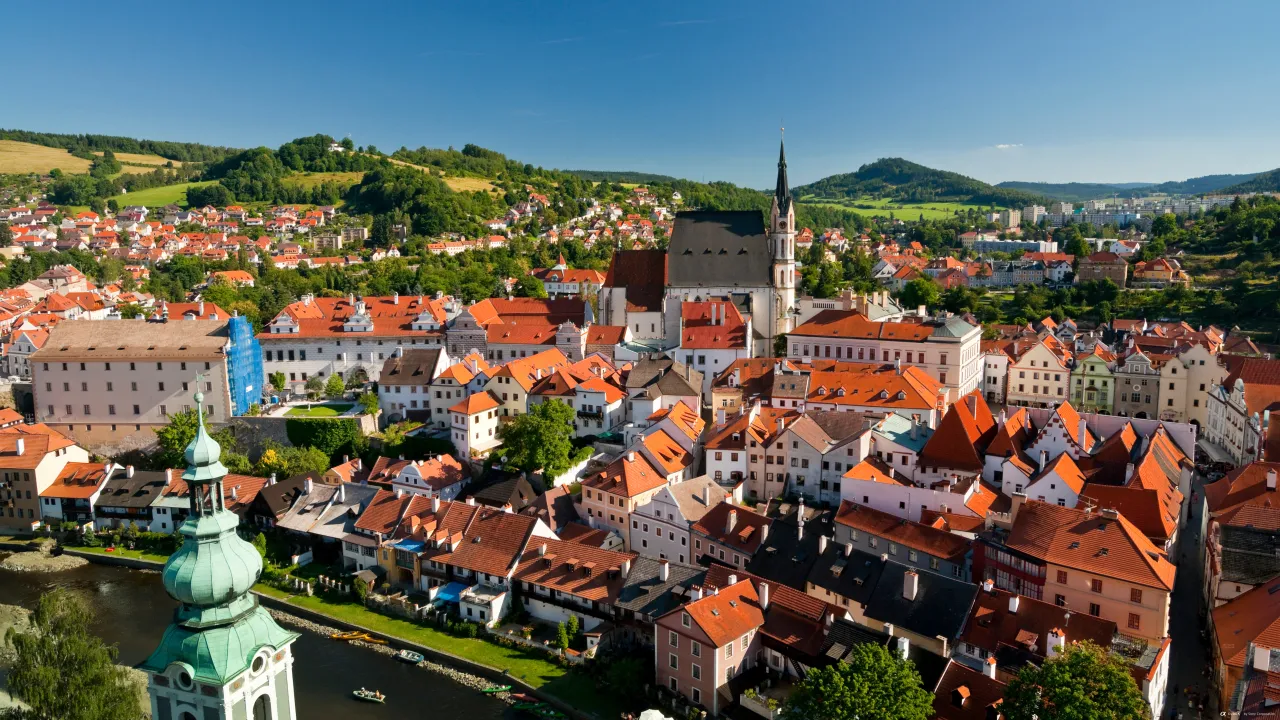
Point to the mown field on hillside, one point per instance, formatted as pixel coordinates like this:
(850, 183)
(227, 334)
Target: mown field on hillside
(160, 196)
(22, 158)
(882, 207)
(149, 160)
(457, 184)
(310, 180)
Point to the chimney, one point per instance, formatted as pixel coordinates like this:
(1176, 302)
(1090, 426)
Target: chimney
(910, 585)
(764, 532)
(1271, 478)
(972, 401)
(201, 311)
(915, 427)
(395, 299)
(346, 459)
(848, 549)
(342, 493)
(1044, 459)
(235, 493)
(695, 593)
(542, 550)
(307, 486)
(1014, 601)
(1057, 642)
(1084, 433)
(989, 668)
(780, 424)
(272, 479)
(399, 492)
(168, 478)
(106, 470)
(21, 446)
(506, 508)
(128, 471)
(625, 570)
(733, 579)
(904, 647)
(664, 570)
(706, 495)
(888, 629)
(720, 416)
(1128, 471)
(471, 500)
(631, 456)
(435, 503)
(1261, 658)
(731, 522)
(1110, 514)
(764, 595)
(988, 585)
(822, 544)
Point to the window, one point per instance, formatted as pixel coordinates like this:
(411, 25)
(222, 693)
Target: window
(695, 648)
(1095, 610)
(697, 694)
(1135, 596)
(1095, 585)
(675, 686)
(674, 639)
(1060, 600)
(684, 617)
(1062, 577)
(673, 662)
(1135, 622)
(161, 387)
(728, 650)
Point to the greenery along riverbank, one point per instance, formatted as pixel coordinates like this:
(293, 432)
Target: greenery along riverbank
(573, 686)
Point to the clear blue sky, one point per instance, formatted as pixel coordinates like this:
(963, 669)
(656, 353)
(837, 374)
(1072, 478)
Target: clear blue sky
(1068, 91)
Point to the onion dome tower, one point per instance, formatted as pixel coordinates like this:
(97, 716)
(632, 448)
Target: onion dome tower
(223, 657)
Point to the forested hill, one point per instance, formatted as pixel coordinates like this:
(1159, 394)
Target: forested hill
(85, 145)
(621, 176)
(1262, 182)
(905, 181)
(1077, 192)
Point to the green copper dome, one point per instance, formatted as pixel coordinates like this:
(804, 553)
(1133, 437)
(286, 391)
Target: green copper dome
(217, 655)
(214, 565)
(204, 454)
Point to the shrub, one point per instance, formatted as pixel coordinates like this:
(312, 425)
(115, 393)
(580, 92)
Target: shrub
(333, 436)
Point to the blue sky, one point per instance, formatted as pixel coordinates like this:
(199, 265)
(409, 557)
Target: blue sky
(1069, 91)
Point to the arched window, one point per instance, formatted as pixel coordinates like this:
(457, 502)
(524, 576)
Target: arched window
(261, 708)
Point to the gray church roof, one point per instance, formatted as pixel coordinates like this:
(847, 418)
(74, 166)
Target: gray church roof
(719, 248)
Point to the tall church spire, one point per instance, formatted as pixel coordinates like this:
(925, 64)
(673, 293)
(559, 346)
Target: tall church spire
(783, 192)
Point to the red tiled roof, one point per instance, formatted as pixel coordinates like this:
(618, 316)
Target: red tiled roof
(630, 475)
(747, 533)
(78, 480)
(1253, 617)
(852, 324)
(580, 570)
(958, 441)
(938, 543)
(476, 403)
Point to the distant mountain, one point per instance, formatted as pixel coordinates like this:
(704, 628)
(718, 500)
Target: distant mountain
(904, 181)
(1078, 192)
(1266, 182)
(621, 176)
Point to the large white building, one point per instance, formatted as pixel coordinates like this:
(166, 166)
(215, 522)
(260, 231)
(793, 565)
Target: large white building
(946, 348)
(352, 337)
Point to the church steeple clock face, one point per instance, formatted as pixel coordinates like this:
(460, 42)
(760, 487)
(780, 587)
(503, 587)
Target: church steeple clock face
(782, 224)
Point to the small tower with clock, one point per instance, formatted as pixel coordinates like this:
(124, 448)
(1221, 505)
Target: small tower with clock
(222, 657)
(782, 239)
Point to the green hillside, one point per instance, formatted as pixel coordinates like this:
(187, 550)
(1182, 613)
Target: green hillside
(1078, 192)
(1262, 182)
(903, 181)
(621, 176)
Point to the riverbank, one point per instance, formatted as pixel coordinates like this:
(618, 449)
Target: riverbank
(572, 691)
(41, 559)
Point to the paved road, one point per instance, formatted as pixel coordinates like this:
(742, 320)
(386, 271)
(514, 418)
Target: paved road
(1190, 656)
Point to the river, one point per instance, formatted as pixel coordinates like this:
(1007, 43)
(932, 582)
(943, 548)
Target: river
(133, 611)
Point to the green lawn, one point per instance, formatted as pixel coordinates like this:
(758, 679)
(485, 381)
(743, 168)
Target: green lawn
(312, 179)
(160, 196)
(326, 410)
(883, 206)
(122, 552)
(533, 667)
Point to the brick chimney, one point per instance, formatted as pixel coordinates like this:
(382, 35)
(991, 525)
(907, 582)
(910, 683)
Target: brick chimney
(731, 522)
(910, 585)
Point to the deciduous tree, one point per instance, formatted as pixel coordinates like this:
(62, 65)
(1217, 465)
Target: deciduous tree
(539, 439)
(1084, 682)
(873, 683)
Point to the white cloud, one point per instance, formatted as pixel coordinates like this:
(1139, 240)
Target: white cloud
(1008, 146)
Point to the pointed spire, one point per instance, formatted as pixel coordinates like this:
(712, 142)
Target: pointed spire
(783, 191)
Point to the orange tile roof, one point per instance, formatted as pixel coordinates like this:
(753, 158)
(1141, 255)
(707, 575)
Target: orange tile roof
(476, 403)
(1092, 542)
(78, 480)
(1243, 498)
(965, 431)
(852, 324)
(324, 317)
(747, 533)
(729, 614)
(917, 536)
(672, 457)
(1253, 617)
(874, 470)
(525, 370)
(580, 570)
(630, 475)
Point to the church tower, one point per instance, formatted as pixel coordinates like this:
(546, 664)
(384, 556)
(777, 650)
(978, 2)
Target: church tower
(782, 239)
(222, 657)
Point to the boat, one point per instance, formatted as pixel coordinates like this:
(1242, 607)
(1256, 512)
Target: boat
(369, 695)
(410, 657)
(497, 689)
(524, 698)
(351, 635)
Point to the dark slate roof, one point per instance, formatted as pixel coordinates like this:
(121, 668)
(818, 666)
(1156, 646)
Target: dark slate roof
(132, 492)
(719, 248)
(788, 555)
(664, 373)
(554, 507)
(941, 605)
(280, 497)
(1249, 556)
(844, 635)
(643, 592)
(854, 577)
(506, 488)
(413, 367)
(643, 273)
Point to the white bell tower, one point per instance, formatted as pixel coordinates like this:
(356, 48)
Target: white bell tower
(782, 240)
